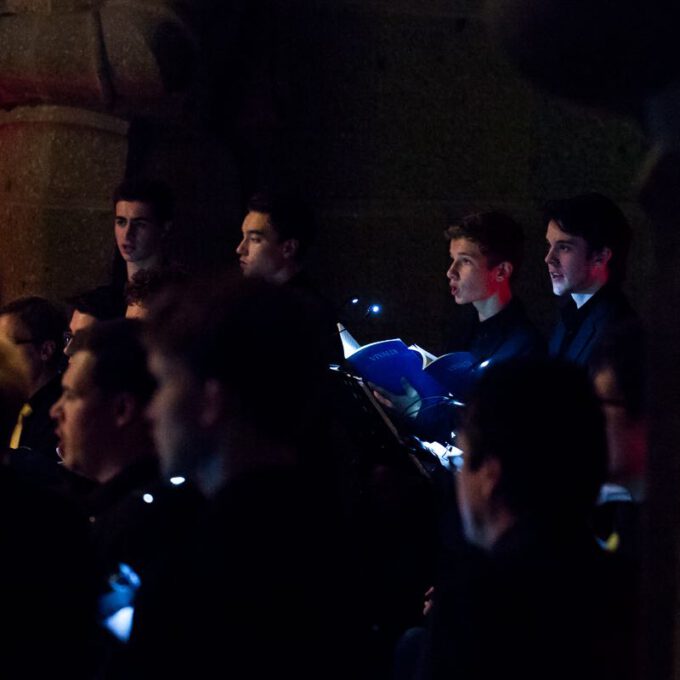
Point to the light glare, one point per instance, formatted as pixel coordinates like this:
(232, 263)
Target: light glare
(120, 623)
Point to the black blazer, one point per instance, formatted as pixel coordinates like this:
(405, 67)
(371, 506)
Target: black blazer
(606, 310)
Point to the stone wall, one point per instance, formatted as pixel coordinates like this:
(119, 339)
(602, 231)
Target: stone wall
(73, 73)
(57, 165)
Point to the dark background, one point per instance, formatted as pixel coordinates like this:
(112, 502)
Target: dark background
(389, 114)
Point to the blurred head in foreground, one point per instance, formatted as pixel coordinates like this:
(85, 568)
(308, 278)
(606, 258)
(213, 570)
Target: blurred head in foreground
(534, 448)
(237, 364)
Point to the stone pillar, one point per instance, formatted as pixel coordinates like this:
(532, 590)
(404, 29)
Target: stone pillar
(72, 74)
(57, 167)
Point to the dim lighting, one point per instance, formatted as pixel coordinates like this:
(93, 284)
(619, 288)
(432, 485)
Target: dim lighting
(358, 309)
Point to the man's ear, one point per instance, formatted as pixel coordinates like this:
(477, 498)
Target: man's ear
(166, 229)
(504, 271)
(47, 350)
(290, 247)
(602, 257)
(126, 407)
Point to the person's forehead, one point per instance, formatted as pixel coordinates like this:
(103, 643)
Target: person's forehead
(259, 222)
(555, 233)
(80, 320)
(135, 210)
(465, 246)
(78, 375)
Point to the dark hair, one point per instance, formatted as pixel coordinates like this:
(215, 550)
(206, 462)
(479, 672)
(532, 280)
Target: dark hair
(289, 215)
(154, 192)
(543, 422)
(102, 303)
(147, 283)
(256, 339)
(498, 236)
(44, 319)
(599, 221)
(120, 357)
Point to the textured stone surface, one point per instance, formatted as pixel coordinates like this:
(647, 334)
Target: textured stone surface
(150, 55)
(57, 170)
(50, 58)
(126, 57)
(59, 164)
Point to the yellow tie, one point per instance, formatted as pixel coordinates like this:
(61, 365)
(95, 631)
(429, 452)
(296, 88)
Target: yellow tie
(26, 410)
(613, 542)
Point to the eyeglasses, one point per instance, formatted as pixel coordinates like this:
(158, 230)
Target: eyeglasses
(67, 336)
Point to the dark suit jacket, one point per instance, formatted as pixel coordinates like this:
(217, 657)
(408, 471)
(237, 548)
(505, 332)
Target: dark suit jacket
(324, 313)
(580, 330)
(252, 593)
(545, 602)
(507, 335)
(37, 433)
(47, 584)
